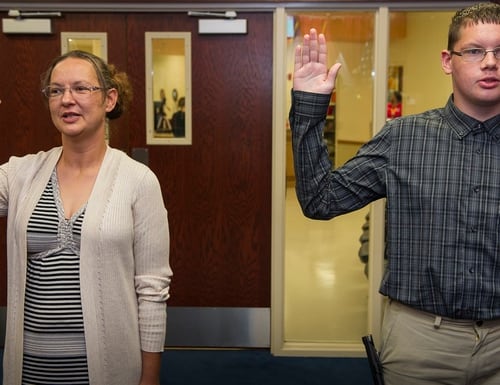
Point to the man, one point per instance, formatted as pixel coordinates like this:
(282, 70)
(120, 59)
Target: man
(440, 174)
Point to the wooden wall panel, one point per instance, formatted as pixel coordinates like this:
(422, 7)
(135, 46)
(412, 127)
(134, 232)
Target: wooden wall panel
(218, 190)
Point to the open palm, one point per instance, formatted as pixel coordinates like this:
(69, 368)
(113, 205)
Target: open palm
(311, 73)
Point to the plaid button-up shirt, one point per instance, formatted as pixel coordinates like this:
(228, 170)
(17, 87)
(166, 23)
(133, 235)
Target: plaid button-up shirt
(440, 174)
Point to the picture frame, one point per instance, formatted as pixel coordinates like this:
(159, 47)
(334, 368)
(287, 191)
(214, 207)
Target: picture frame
(93, 42)
(168, 88)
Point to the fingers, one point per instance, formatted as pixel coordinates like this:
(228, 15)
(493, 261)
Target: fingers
(306, 49)
(311, 72)
(313, 49)
(298, 58)
(313, 45)
(316, 47)
(322, 50)
(333, 72)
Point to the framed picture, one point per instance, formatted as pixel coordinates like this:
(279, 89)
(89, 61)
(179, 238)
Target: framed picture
(395, 78)
(168, 88)
(93, 42)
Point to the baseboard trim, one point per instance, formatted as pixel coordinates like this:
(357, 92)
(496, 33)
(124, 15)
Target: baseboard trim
(218, 327)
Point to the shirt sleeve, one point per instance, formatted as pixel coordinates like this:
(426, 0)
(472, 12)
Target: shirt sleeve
(152, 269)
(323, 192)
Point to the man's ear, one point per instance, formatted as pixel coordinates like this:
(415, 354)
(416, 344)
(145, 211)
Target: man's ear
(446, 61)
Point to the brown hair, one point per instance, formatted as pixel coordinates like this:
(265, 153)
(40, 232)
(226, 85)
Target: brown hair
(107, 76)
(486, 13)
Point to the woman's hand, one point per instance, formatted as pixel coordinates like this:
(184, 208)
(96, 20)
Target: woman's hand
(311, 73)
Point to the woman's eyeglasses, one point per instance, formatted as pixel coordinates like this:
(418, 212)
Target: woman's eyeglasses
(76, 90)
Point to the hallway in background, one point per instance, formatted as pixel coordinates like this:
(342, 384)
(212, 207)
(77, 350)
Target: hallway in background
(325, 285)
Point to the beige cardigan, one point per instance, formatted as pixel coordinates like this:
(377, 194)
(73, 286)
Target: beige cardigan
(124, 263)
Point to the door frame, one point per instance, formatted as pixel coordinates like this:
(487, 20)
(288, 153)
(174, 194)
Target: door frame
(279, 345)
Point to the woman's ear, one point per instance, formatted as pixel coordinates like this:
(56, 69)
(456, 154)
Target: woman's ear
(111, 99)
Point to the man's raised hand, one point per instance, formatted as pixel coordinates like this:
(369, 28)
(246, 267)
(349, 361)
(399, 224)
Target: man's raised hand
(311, 73)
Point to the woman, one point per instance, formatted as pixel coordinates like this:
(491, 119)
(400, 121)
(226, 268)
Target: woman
(88, 244)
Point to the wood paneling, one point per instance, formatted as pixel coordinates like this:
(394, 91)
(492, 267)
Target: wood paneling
(218, 190)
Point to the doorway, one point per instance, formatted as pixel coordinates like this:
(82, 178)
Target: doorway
(328, 302)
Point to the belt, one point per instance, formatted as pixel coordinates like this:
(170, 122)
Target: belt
(438, 320)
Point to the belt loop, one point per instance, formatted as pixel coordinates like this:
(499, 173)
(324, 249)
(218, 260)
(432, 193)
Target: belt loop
(437, 322)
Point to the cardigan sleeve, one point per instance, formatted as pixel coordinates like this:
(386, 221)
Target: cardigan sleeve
(4, 188)
(152, 269)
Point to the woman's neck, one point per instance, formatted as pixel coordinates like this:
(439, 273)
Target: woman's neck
(82, 156)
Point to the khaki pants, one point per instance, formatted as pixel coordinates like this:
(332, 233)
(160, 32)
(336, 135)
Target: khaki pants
(419, 348)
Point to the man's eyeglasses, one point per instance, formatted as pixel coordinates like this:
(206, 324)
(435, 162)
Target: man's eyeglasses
(76, 90)
(476, 54)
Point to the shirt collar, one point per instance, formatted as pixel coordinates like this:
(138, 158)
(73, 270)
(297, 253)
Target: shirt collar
(463, 124)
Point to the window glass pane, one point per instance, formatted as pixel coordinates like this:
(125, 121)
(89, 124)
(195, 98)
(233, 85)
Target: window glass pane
(326, 285)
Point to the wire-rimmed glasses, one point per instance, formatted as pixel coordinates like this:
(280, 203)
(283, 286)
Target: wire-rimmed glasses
(76, 90)
(476, 54)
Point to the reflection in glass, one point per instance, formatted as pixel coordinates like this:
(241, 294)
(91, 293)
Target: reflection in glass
(168, 87)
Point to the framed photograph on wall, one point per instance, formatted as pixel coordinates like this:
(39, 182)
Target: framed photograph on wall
(168, 88)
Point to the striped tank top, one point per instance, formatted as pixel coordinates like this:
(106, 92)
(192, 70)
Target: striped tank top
(54, 340)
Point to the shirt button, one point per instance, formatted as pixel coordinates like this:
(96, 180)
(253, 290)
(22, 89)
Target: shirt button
(471, 270)
(476, 189)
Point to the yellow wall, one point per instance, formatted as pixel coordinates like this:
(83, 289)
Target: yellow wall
(354, 90)
(425, 86)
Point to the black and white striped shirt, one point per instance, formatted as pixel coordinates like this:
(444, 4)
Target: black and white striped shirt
(54, 340)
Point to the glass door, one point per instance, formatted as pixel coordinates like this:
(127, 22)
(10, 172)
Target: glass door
(326, 270)
(328, 278)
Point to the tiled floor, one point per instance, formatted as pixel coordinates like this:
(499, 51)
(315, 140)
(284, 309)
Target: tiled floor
(326, 290)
